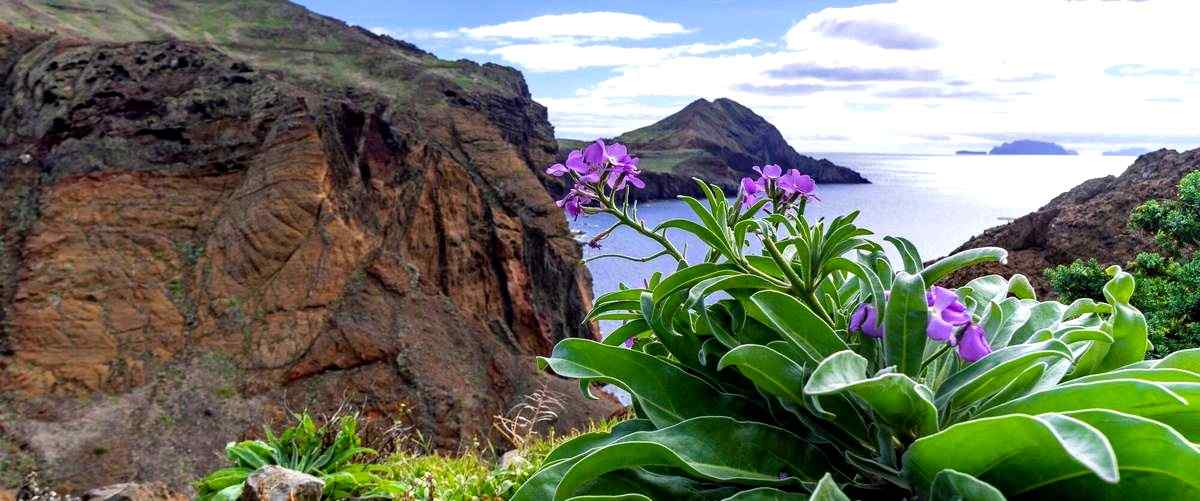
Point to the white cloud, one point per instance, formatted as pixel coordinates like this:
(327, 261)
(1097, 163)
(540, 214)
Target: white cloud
(414, 34)
(1023, 65)
(565, 56)
(594, 26)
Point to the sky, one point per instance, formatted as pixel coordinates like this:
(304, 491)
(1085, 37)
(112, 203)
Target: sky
(910, 76)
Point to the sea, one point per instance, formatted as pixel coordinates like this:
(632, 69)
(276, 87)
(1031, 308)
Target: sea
(936, 201)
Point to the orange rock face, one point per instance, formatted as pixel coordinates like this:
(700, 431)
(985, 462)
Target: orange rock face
(191, 247)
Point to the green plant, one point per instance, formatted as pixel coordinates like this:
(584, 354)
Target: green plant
(817, 368)
(326, 451)
(1168, 282)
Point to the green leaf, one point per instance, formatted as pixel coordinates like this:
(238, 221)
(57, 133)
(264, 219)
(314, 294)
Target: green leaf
(950, 264)
(828, 490)
(950, 485)
(984, 290)
(667, 393)
(713, 448)
(1020, 287)
(1173, 404)
(771, 371)
(767, 494)
(613, 497)
(1155, 462)
(1045, 315)
(633, 328)
(993, 372)
(897, 401)
(796, 322)
(904, 324)
(683, 279)
(588, 441)
(1129, 331)
(908, 254)
(1015, 453)
(714, 241)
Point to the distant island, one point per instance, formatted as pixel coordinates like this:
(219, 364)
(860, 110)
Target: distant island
(1031, 147)
(1127, 152)
(970, 152)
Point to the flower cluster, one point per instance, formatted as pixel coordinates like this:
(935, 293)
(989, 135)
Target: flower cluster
(597, 166)
(779, 187)
(949, 322)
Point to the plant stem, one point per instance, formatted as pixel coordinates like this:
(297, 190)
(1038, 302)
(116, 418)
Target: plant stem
(807, 295)
(637, 226)
(935, 356)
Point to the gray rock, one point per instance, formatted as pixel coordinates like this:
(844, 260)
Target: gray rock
(276, 483)
(132, 492)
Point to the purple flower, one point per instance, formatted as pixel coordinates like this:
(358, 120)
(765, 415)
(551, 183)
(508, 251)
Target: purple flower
(575, 200)
(866, 320)
(753, 190)
(556, 170)
(770, 171)
(794, 183)
(629, 343)
(625, 171)
(595, 153)
(973, 345)
(946, 314)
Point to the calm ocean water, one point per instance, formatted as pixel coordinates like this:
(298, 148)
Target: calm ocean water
(936, 201)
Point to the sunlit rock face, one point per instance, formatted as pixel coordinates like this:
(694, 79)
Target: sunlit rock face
(192, 247)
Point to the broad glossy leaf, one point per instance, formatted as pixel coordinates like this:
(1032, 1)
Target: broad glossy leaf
(950, 264)
(714, 241)
(796, 322)
(993, 372)
(771, 371)
(712, 448)
(667, 393)
(1154, 461)
(612, 497)
(588, 441)
(1188, 360)
(896, 400)
(1013, 453)
(950, 485)
(1174, 404)
(683, 279)
(656, 486)
(1152, 375)
(904, 323)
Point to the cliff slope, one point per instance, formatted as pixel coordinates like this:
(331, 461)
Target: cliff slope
(1090, 220)
(718, 141)
(193, 245)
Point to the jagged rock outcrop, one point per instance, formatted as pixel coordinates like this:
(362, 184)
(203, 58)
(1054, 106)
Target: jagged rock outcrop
(718, 141)
(1090, 220)
(192, 246)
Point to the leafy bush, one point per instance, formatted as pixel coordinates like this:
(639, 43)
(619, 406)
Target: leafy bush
(1168, 283)
(322, 451)
(817, 368)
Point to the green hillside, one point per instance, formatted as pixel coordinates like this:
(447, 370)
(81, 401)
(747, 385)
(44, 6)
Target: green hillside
(271, 34)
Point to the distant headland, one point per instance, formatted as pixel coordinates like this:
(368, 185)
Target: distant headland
(1031, 147)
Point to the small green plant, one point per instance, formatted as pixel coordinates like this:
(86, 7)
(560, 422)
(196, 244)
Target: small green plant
(327, 452)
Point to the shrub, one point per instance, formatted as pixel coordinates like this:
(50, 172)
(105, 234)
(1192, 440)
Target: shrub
(818, 368)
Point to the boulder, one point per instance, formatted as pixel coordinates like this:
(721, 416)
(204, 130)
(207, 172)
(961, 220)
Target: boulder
(276, 483)
(154, 491)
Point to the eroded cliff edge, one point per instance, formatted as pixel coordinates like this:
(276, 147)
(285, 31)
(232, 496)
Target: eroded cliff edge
(192, 247)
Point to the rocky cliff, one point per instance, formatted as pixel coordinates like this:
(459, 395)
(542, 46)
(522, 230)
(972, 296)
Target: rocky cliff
(718, 141)
(1090, 220)
(193, 246)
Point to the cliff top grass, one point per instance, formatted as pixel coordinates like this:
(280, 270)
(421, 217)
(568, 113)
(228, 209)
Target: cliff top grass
(270, 34)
